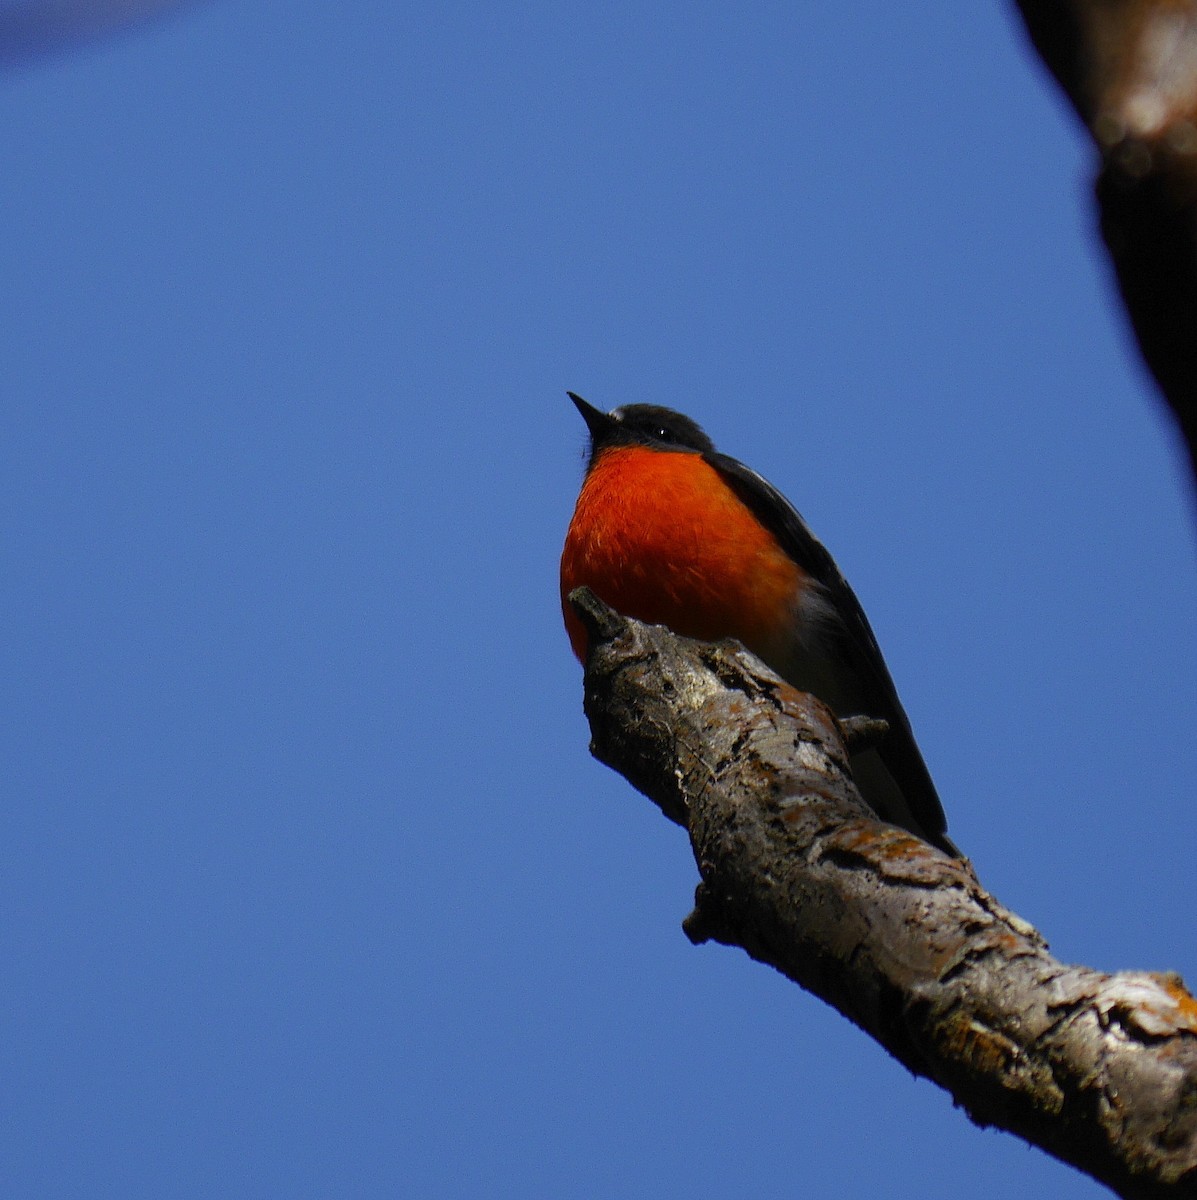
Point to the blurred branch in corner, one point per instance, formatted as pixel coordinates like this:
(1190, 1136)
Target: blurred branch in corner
(34, 29)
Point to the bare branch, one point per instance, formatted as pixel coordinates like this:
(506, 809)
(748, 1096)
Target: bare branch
(1099, 1070)
(1129, 67)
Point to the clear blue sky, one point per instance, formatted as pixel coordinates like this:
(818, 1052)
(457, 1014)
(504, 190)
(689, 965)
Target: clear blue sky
(309, 885)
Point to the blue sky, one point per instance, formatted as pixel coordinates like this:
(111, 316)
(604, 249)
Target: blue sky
(310, 887)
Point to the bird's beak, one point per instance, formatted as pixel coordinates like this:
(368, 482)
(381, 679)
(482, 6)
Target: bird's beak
(598, 422)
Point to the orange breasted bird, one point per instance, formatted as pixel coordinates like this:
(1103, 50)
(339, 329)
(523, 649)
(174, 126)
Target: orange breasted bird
(671, 532)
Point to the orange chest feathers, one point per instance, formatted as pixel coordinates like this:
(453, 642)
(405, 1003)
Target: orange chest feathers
(661, 537)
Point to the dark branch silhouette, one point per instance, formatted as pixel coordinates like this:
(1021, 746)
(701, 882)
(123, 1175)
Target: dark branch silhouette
(1099, 1070)
(1129, 68)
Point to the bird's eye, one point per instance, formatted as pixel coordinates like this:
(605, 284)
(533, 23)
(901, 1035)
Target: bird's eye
(663, 433)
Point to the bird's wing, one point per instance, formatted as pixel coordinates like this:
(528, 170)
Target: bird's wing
(851, 640)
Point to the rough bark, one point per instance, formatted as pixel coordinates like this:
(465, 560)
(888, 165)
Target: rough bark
(1099, 1070)
(1129, 68)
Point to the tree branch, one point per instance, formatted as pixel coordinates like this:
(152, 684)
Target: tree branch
(1129, 67)
(1099, 1070)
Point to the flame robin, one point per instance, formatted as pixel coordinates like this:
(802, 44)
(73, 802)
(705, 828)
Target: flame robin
(671, 532)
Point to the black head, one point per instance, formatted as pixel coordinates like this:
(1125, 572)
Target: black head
(641, 425)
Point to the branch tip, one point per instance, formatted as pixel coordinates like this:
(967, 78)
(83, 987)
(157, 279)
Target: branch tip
(602, 622)
(862, 733)
(705, 922)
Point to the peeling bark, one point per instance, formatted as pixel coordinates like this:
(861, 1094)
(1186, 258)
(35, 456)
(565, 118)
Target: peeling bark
(1099, 1070)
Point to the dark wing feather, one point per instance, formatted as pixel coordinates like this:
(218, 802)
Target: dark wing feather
(854, 642)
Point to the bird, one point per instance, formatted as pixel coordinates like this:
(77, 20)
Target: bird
(671, 532)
